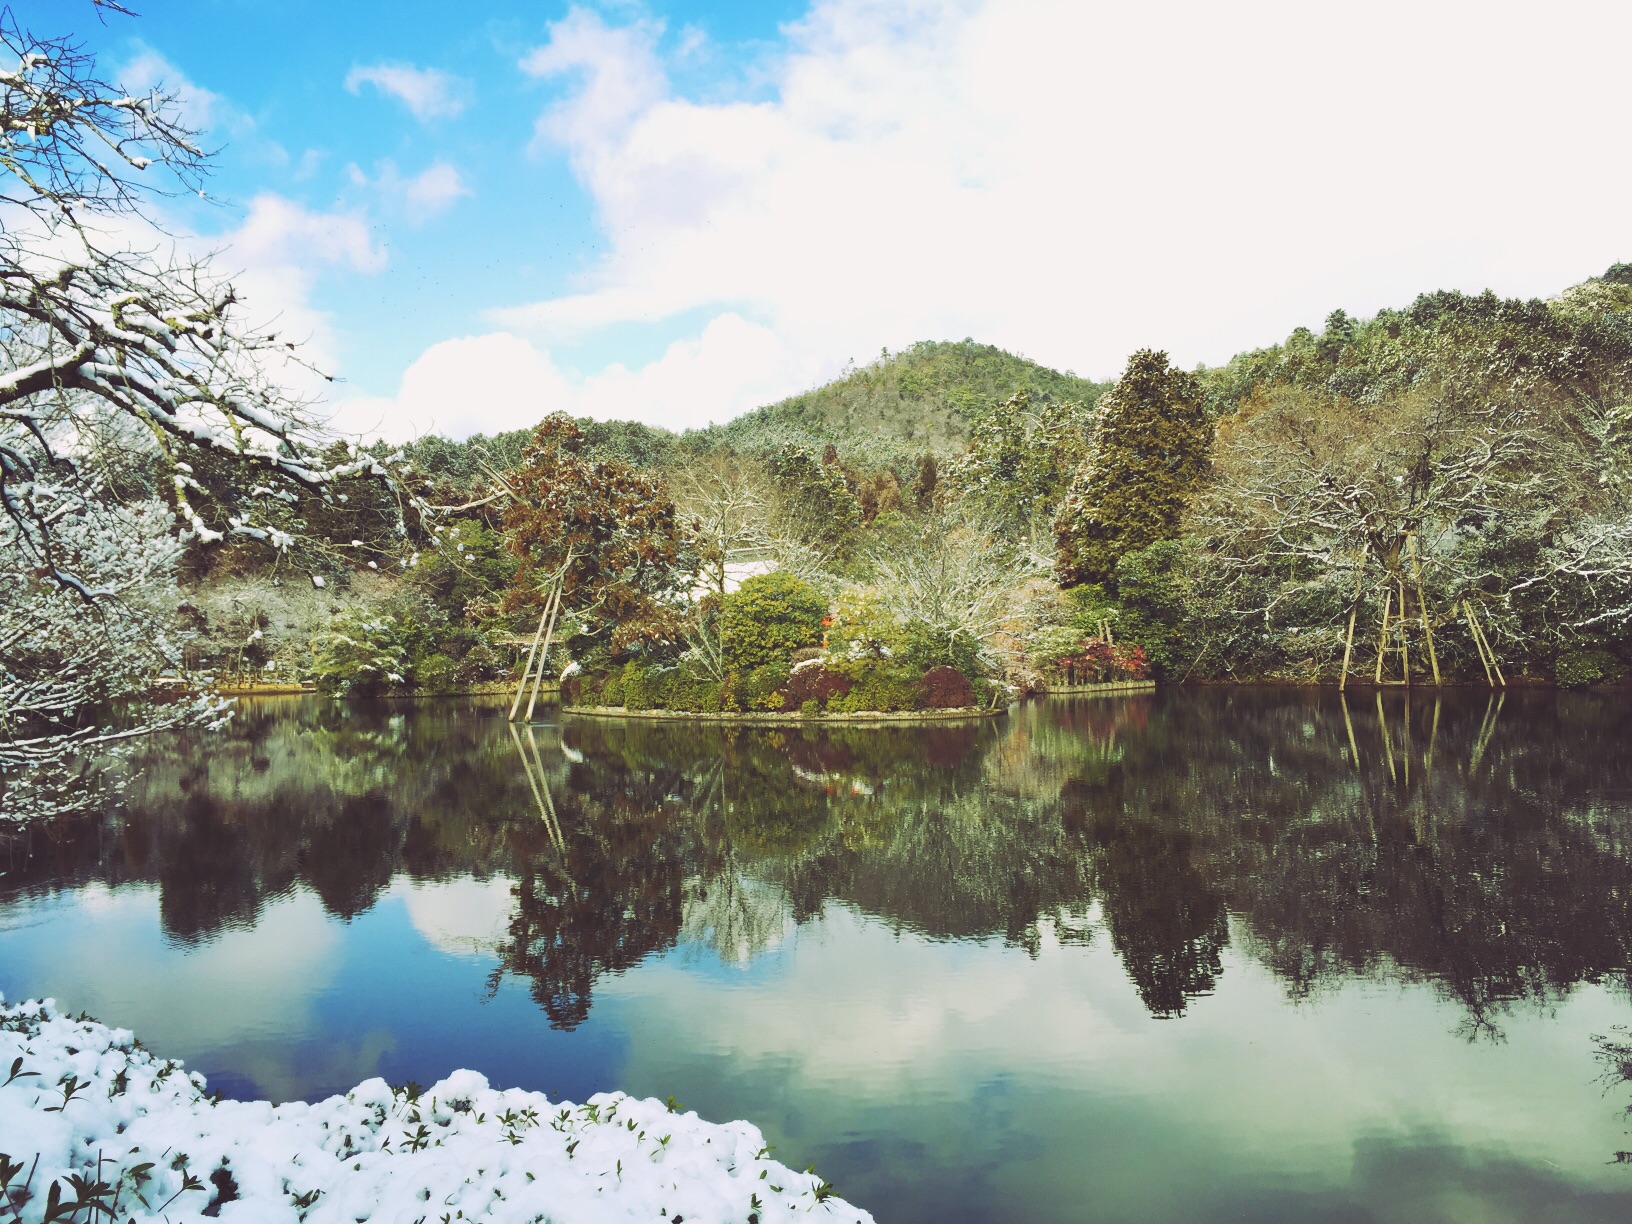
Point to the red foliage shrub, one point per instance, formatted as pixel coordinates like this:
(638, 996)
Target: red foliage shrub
(1132, 662)
(1097, 660)
(945, 688)
(813, 684)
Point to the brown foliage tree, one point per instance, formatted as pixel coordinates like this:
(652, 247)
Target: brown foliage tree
(612, 533)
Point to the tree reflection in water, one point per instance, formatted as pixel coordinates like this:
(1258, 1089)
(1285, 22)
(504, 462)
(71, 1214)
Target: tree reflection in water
(1477, 845)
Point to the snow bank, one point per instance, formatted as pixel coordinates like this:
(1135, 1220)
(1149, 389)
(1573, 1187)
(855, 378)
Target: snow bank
(89, 1117)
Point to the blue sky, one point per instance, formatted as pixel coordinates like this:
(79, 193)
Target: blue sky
(676, 211)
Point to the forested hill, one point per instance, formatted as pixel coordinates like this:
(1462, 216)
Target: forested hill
(924, 397)
(920, 399)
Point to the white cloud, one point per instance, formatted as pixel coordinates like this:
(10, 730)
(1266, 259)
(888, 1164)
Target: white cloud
(275, 258)
(499, 381)
(427, 194)
(429, 93)
(434, 189)
(1077, 180)
(201, 109)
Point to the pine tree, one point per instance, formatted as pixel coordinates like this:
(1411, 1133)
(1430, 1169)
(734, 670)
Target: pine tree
(1148, 456)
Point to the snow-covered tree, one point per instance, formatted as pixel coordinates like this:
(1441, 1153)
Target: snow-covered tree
(962, 577)
(122, 361)
(102, 318)
(65, 662)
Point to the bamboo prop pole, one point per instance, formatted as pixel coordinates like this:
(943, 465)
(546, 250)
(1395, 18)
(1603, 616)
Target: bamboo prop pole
(544, 655)
(1491, 651)
(1478, 645)
(527, 669)
(1405, 641)
(1348, 641)
(1382, 638)
(1422, 607)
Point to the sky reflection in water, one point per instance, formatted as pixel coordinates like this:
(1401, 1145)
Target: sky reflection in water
(1163, 958)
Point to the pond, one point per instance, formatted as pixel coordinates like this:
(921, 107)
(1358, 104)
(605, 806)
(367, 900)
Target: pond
(1216, 955)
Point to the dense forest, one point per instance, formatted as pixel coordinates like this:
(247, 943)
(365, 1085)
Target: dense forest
(1458, 466)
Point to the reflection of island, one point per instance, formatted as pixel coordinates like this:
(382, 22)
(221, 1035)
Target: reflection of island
(1480, 848)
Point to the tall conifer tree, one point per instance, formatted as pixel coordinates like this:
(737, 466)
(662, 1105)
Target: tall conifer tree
(1148, 456)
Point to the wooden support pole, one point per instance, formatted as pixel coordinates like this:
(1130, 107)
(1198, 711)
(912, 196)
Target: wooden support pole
(1348, 648)
(1491, 651)
(1422, 606)
(1478, 643)
(1382, 637)
(1348, 640)
(543, 655)
(1405, 643)
(527, 668)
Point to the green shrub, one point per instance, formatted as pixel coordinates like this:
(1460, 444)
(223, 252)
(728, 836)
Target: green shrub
(862, 624)
(1587, 667)
(611, 689)
(435, 674)
(769, 617)
(810, 708)
(691, 691)
(480, 662)
(880, 686)
(360, 656)
(643, 688)
(762, 687)
(923, 647)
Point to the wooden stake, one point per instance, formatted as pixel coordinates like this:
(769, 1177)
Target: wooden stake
(1478, 644)
(544, 655)
(1348, 641)
(1491, 651)
(1382, 638)
(1422, 606)
(527, 668)
(1405, 642)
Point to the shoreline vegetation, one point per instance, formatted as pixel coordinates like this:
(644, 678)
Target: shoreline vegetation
(93, 1125)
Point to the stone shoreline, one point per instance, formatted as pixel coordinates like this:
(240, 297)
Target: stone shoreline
(1112, 686)
(787, 720)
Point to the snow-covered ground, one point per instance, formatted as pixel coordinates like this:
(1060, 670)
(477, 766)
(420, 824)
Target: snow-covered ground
(92, 1126)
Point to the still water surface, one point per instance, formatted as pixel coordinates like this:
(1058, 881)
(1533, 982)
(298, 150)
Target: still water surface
(1192, 956)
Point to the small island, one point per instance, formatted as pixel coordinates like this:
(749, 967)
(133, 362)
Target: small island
(774, 650)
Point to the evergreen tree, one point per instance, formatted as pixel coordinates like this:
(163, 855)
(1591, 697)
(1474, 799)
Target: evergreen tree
(923, 484)
(1147, 458)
